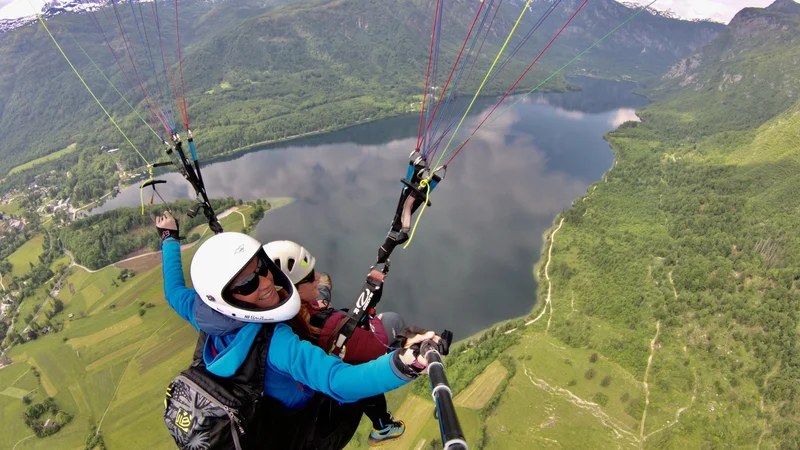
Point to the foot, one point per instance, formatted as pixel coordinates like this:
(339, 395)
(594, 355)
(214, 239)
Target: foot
(393, 430)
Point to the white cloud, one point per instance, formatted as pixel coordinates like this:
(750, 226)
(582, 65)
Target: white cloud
(623, 115)
(569, 114)
(11, 9)
(720, 10)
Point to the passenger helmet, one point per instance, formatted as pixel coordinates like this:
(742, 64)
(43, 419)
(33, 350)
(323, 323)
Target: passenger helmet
(293, 259)
(219, 261)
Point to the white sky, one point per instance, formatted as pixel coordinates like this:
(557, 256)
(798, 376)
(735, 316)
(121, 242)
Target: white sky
(11, 9)
(720, 10)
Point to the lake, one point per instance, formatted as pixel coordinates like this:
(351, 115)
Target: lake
(470, 263)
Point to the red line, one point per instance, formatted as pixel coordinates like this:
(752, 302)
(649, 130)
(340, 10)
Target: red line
(455, 64)
(518, 80)
(129, 50)
(427, 75)
(166, 61)
(432, 153)
(180, 66)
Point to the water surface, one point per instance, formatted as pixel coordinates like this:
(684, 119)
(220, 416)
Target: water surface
(470, 263)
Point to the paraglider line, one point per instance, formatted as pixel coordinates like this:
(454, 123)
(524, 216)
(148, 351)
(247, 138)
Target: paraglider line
(522, 97)
(38, 16)
(523, 75)
(455, 64)
(427, 76)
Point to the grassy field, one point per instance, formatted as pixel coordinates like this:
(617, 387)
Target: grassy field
(109, 363)
(25, 255)
(30, 305)
(60, 262)
(44, 159)
(12, 207)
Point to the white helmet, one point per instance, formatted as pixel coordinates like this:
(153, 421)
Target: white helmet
(293, 259)
(219, 261)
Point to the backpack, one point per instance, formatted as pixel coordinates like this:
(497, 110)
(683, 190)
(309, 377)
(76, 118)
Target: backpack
(206, 412)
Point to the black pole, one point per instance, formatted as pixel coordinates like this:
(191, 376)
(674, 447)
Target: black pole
(450, 428)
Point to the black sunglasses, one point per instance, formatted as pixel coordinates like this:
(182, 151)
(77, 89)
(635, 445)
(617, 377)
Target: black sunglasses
(307, 279)
(249, 284)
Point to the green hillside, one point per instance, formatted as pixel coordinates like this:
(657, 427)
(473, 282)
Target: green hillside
(260, 71)
(681, 266)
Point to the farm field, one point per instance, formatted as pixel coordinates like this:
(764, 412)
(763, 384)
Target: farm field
(26, 255)
(109, 366)
(43, 159)
(13, 207)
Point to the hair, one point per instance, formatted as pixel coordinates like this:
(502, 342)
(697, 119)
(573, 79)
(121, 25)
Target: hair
(301, 324)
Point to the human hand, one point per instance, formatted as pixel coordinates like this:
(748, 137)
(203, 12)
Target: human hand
(167, 226)
(412, 362)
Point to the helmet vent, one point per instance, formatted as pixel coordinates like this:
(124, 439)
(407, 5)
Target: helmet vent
(290, 265)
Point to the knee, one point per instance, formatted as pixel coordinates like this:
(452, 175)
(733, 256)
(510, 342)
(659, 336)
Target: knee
(393, 323)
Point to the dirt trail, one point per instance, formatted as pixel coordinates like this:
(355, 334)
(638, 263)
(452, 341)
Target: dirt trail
(674, 291)
(618, 428)
(761, 403)
(644, 382)
(183, 247)
(547, 302)
(680, 410)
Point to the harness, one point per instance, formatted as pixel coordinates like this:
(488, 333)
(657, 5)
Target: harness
(415, 193)
(320, 424)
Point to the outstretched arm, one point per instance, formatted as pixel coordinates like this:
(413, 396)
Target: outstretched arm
(179, 297)
(312, 367)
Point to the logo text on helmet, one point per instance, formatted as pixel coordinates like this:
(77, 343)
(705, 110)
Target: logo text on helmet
(239, 249)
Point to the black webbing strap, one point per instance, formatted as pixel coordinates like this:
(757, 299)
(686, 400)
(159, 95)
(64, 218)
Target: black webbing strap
(370, 295)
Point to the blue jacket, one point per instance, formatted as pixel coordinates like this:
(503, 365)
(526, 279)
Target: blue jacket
(295, 368)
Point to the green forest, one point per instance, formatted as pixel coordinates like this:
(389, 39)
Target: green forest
(102, 239)
(695, 231)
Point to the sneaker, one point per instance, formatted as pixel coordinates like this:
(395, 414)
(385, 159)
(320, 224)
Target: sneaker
(393, 430)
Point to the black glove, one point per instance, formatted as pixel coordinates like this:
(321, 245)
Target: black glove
(167, 226)
(406, 359)
(409, 332)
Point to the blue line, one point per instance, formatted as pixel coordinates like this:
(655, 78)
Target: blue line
(461, 70)
(530, 32)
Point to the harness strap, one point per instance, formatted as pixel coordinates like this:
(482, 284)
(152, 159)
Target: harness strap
(371, 293)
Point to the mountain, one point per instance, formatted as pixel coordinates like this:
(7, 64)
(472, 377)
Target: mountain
(257, 71)
(756, 53)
